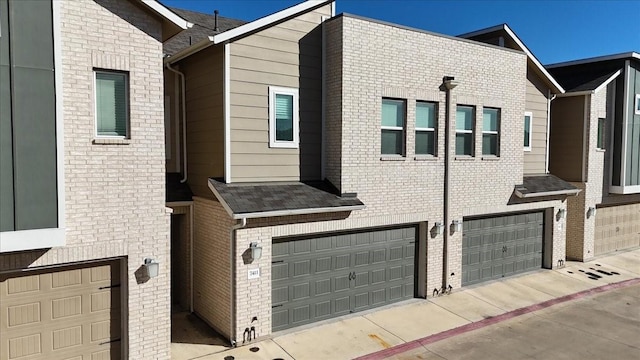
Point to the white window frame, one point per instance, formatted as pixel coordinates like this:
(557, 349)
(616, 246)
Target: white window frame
(95, 103)
(530, 115)
(601, 136)
(472, 131)
(432, 130)
(491, 132)
(397, 128)
(637, 108)
(273, 91)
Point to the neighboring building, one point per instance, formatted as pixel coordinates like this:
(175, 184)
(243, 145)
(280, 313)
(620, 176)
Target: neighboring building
(82, 199)
(595, 145)
(339, 163)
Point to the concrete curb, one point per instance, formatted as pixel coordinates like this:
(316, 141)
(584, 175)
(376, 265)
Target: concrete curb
(399, 349)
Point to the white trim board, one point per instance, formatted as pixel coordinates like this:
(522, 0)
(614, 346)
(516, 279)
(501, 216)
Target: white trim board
(167, 14)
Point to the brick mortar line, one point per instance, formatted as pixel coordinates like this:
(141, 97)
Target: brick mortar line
(399, 349)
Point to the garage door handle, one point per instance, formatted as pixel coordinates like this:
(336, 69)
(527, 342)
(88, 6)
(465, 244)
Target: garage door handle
(352, 275)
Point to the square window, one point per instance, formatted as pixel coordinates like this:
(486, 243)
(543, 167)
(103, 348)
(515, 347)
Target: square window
(392, 127)
(465, 119)
(490, 131)
(112, 104)
(528, 130)
(426, 124)
(601, 133)
(283, 117)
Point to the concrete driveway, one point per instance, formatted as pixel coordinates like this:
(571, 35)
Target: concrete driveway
(428, 329)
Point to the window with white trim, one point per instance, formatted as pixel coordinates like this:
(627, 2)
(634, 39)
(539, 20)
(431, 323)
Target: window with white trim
(600, 143)
(528, 130)
(465, 120)
(284, 118)
(426, 124)
(112, 103)
(392, 127)
(638, 104)
(491, 131)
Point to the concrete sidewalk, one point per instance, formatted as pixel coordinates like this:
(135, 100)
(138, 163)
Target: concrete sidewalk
(416, 320)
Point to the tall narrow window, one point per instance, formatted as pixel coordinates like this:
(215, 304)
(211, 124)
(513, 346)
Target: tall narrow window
(112, 104)
(464, 130)
(528, 126)
(392, 128)
(426, 123)
(490, 131)
(283, 117)
(637, 103)
(600, 143)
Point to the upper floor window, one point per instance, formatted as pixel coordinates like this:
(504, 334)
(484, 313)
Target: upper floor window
(465, 120)
(601, 133)
(490, 131)
(637, 103)
(283, 117)
(393, 122)
(426, 123)
(528, 127)
(112, 103)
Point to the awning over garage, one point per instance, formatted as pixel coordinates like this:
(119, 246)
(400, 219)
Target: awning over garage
(256, 200)
(544, 185)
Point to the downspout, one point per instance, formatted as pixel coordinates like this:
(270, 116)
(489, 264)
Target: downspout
(448, 84)
(549, 100)
(232, 279)
(184, 120)
(191, 216)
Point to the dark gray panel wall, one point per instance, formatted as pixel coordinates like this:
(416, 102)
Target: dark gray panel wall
(30, 117)
(632, 176)
(6, 141)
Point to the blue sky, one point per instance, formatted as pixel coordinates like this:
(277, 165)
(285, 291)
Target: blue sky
(554, 30)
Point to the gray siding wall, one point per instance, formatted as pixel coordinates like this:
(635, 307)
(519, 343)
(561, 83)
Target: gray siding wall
(28, 121)
(536, 103)
(566, 141)
(205, 121)
(288, 54)
(632, 175)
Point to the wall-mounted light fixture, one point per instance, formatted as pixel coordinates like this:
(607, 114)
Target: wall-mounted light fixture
(152, 267)
(438, 228)
(255, 251)
(591, 212)
(449, 82)
(561, 214)
(456, 226)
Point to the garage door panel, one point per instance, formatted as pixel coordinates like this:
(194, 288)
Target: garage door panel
(617, 228)
(364, 268)
(61, 313)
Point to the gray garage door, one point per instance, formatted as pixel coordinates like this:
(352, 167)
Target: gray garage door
(501, 246)
(336, 274)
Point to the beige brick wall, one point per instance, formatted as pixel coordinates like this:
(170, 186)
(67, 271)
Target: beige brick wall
(114, 202)
(212, 270)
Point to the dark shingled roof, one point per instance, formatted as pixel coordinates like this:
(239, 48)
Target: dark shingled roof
(252, 200)
(177, 191)
(544, 185)
(203, 26)
(585, 77)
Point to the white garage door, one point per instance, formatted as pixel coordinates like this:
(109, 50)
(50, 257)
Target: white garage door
(617, 228)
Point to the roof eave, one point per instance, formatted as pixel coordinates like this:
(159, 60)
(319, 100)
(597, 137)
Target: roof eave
(631, 54)
(173, 23)
(274, 213)
(547, 193)
(186, 52)
(268, 20)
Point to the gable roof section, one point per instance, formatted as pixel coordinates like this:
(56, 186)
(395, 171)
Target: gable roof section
(204, 26)
(172, 24)
(591, 85)
(558, 89)
(248, 28)
(621, 56)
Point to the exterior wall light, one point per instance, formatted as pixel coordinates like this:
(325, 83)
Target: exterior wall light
(255, 251)
(438, 228)
(152, 267)
(456, 226)
(561, 214)
(591, 212)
